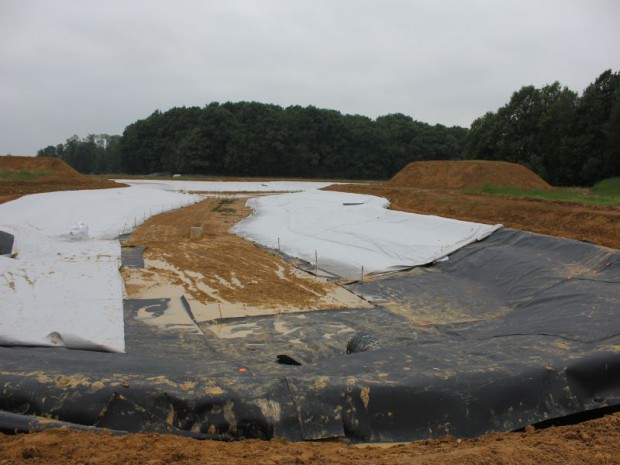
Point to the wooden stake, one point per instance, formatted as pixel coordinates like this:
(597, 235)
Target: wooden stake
(316, 263)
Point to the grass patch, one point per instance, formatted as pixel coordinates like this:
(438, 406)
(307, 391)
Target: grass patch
(220, 207)
(606, 193)
(608, 187)
(22, 175)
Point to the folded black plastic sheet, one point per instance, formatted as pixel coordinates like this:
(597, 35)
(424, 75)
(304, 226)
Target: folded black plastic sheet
(514, 330)
(132, 256)
(6, 243)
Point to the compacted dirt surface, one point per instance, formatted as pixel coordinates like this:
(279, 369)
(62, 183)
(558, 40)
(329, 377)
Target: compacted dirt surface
(236, 272)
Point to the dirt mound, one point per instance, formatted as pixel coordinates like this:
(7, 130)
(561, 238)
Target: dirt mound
(29, 175)
(468, 174)
(40, 167)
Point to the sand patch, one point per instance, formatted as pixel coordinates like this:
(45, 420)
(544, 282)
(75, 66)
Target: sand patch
(220, 274)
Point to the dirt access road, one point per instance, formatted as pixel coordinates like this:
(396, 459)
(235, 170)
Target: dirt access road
(594, 442)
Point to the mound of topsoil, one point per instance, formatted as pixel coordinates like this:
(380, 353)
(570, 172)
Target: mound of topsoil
(467, 174)
(28, 175)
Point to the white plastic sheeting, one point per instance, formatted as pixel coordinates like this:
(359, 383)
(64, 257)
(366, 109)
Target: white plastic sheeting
(228, 186)
(64, 289)
(345, 232)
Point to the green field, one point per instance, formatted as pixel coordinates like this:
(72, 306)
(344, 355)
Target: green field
(605, 193)
(22, 175)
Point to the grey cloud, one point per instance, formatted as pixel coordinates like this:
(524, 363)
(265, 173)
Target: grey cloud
(75, 66)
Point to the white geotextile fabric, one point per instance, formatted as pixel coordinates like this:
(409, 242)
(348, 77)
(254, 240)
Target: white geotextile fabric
(346, 232)
(229, 186)
(64, 289)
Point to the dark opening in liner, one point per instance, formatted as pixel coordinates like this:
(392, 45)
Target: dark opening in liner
(6, 243)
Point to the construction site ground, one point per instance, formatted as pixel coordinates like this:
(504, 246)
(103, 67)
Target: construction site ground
(232, 275)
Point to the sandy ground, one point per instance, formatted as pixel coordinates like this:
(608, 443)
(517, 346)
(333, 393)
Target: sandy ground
(220, 274)
(467, 174)
(235, 273)
(51, 174)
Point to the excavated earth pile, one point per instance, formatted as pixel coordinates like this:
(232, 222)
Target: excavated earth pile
(30, 175)
(470, 174)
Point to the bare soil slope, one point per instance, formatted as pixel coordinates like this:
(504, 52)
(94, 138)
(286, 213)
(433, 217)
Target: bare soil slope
(468, 174)
(30, 175)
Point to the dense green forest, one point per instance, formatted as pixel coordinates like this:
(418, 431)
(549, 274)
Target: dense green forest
(256, 139)
(566, 138)
(97, 153)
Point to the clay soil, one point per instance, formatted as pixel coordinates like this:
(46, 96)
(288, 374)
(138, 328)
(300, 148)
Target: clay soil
(51, 174)
(593, 442)
(467, 174)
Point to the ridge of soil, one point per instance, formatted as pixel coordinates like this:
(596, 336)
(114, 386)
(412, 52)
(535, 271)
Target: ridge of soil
(53, 175)
(467, 174)
(593, 442)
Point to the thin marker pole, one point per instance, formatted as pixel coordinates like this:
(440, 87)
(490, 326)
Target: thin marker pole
(316, 263)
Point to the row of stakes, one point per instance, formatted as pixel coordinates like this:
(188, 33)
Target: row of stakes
(316, 263)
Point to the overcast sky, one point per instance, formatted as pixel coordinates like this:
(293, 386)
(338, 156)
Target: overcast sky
(94, 66)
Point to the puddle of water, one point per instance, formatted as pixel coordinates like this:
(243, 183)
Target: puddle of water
(233, 331)
(280, 273)
(283, 329)
(149, 283)
(235, 282)
(173, 317)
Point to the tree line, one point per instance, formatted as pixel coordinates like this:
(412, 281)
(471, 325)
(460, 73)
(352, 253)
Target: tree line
(95, 154)
(257, 139)
(566, 138)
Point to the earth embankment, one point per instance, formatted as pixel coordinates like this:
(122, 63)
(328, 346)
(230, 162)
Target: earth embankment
(31, 175)
(467, 174)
